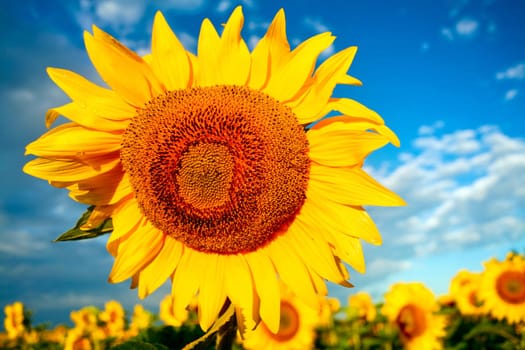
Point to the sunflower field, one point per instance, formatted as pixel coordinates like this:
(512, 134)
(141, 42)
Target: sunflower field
(484, 310)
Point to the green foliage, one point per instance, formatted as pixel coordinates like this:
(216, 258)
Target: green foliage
(81, 232)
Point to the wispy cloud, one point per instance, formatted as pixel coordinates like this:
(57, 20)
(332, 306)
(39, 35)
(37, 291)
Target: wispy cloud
(467, 27)
(511, 94)
(516, 72)
(463, 190)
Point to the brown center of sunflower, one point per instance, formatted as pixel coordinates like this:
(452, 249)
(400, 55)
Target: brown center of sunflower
(223, 169)
(411, 321)
(288, 324)
(510, 286)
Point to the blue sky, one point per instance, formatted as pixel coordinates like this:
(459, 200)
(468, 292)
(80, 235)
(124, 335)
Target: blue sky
(447, 76)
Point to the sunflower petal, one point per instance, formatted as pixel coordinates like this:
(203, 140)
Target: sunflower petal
(187, 279)
(71, 141)
(161, 267)
(287, 82)
(104, 189)
(330, 73)
(212, 293)
(292, 270)
(132, 256)
(84, 117)
(234, 58)
(339, 146)
(267, 287)
(113, 61)
(169, 61)
(270, 52)
(89, 96)
(351, 186)
(70, 170)
(126, 218)
(239, 287)
(207, 50)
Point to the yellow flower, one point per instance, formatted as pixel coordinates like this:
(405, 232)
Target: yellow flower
(329, 307)
(114, 319)
(77, 340)
(464, 288)
(85, 319)
(411, 308)
(212, 168)
(503, 288)
(167, 313)
(297, 325)
(141, 319)
(361, 305)
(14, 320)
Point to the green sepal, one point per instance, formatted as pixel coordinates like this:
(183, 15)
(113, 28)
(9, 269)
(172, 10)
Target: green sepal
(77, 232)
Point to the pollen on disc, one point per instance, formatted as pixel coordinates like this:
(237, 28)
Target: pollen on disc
(223, 169)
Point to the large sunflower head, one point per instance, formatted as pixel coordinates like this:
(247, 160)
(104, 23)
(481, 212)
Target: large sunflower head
(503, 288)
(411, 308)
(212, 169)
(464, 288)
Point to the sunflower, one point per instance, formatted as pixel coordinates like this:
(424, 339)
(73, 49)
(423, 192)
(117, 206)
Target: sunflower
(503, 288)
(464, 288)
(411, 308)
(360, 305)
(113, 318)
(297, 326)
(220, 170)
(14, 320)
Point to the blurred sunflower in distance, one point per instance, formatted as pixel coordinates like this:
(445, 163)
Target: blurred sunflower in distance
(220, 170)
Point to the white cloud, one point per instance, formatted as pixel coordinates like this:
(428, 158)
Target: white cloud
(447, 33)
(317, 25)
(466, 27)
(511, 94)
(120, 12)
(430, 129)
(516, 72)
(223, 6)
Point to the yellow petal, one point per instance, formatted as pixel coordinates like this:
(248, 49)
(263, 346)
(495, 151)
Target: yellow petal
(340, 218)
(207, 51)
(267, 287)
(158, 271)
(234, 56)
(126, 218)
(239, 287)
(352, 108)
(270, 52)
(314, 251)
(114, 61)
(289, 79)
(84, 117)
(349, 249)
(70, 171)
(100, 101)
(71, 141)
(136, 251)
(351, 186)
(104, 189)
(187, 279)
(292, 270)
(170, 61)
(211, 294)
(330, 73)
(339, 146)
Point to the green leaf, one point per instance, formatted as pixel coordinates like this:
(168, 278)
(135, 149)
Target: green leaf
(222, 326)
(138, 345)
(77, 232)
